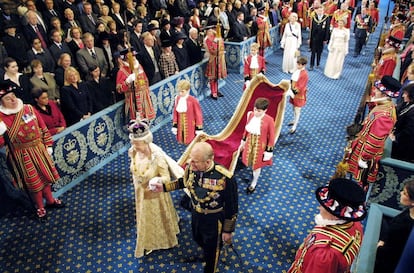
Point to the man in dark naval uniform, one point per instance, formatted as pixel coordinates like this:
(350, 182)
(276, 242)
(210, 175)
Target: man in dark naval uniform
(319, 35)
(214, 202)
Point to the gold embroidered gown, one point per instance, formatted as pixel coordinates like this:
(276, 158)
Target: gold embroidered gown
(157, 220)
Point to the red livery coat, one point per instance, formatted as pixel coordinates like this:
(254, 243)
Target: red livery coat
(369, 143)
(256, 145)
(187, 122)
(247, 72)
(216, 66)
(30, 138)
(329, 249)
(301, 86)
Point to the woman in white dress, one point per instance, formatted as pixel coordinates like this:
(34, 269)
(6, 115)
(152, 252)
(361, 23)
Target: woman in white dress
(338, 49)
(291, 41)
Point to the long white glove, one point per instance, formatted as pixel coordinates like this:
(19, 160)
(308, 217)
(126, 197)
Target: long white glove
(3, 128)
(153, 181)
(130, 78)
(174, 130)
(49, 150)
(267, 156)
(362, 164)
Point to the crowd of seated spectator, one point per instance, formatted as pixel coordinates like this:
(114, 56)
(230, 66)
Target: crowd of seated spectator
(40, 40)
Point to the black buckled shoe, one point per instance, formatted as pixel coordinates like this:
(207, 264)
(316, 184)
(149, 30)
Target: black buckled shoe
(250, 190)
(220, 94)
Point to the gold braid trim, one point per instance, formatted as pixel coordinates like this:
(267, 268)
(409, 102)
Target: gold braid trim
(171, 186)
(223, 171)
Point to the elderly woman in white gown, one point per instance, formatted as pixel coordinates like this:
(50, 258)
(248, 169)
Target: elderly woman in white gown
(338, 49)
(291, 41)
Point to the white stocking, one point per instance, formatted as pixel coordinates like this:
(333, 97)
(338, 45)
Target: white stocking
(256, 174)
(296, 118)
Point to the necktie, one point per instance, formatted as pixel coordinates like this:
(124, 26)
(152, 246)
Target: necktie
(53, 12)
(59, 46)
(93, 54)
(40, 36)
(91, 18)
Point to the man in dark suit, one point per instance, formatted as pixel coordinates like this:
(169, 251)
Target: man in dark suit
(34, 30)
(239, 31)
(135, 35)
(90, 55)
(71, 5)
(88, 20)
(319, 35)
(70, 20)
(58, 47)
(117, 16)
(193, 47)
(148, 58)
(49, 12)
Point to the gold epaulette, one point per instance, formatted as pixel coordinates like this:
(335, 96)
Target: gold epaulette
(223, 171)
(230, 224)
(171, 186)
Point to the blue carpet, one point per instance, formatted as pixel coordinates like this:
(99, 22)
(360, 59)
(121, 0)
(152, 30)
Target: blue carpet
(96, 231)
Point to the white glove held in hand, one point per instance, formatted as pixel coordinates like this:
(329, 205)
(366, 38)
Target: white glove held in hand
(247, 83)
(362, 164)
(49, 150)
(267, 156)
(153, 181)
(174, 130)
(130, 78)
(241, 147)
(3, 128)
(198, 132)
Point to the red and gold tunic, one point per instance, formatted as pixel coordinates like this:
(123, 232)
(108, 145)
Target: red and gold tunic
(189, 121)
(29, 138)
(216, 66)
(374, 13)
(263, 36)
(301, 87)
(257, 144)
(341, 14)
(249, 72)
(397, 31)
(303, 8)
(285, 13)
(330, 7)
(386, 64)
(141, 102)
(369, 143)
(329, 249)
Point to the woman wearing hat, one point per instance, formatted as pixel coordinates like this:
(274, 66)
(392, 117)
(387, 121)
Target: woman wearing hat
(167, 62)
(403, 134)
(368, 146)
(29, 148)
(180, 51)
(334, 242)
(157, 221)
